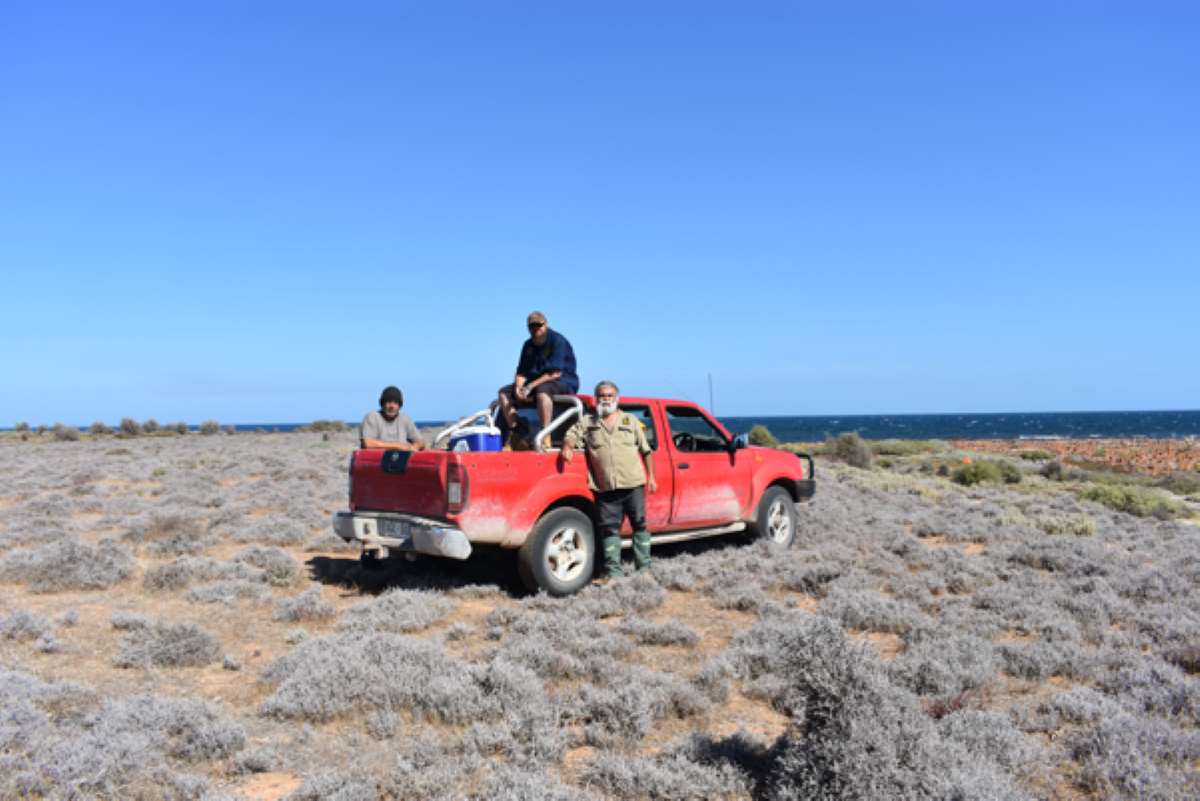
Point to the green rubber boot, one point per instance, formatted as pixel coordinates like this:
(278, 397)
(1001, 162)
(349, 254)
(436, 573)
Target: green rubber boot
(612, 557)
(641, 550)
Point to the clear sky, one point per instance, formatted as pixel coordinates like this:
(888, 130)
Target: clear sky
(267, 211)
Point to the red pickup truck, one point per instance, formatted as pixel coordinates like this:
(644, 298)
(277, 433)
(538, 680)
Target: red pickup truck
(443, 502)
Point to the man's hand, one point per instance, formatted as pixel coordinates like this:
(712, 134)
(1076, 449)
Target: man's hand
(567, 452)
(651, 485)
(522, 392)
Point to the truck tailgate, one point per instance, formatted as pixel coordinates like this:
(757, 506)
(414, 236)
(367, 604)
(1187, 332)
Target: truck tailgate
(399, 481)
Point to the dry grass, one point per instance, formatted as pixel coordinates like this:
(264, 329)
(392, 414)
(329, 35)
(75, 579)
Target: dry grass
(175, 622)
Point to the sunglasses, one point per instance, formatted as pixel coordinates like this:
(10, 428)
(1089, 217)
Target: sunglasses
(535, 326)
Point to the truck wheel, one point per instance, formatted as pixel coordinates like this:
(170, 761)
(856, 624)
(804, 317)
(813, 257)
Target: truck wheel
(558, 555)
(776, 519)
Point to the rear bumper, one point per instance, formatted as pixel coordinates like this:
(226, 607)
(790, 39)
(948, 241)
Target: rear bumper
(389, 531)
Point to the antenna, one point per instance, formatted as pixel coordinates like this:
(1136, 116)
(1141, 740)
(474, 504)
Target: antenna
(711, 409)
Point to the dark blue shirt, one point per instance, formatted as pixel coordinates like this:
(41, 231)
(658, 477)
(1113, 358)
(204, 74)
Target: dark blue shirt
(553, 354)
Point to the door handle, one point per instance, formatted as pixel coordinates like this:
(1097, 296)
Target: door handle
(684, 465)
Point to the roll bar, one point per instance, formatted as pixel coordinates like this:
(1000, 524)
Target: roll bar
(490, 413)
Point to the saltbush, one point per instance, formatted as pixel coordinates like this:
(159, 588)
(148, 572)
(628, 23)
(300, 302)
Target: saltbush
(64, 433)
(130, 426)
(98, 428)
(761, 435)
(150, 426)
(1078, 525)
(68, 564)
(1138, 501)
(995, 472)
(210, 427)
(168, 645)
(850, 448)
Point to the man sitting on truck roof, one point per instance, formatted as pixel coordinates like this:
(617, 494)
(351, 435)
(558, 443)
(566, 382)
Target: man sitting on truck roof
(546, 368)
(388, 427)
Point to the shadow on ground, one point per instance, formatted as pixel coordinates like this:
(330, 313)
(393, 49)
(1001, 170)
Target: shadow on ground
(487, 567)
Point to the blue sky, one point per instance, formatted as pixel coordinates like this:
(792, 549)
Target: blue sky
(261, 211)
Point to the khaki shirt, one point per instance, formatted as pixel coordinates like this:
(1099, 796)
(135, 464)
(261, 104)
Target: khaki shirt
(614, 458)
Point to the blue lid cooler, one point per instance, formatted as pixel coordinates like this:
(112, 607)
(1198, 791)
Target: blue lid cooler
(476, 438)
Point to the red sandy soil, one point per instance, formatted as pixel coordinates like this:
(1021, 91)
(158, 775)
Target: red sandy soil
(1155, 456)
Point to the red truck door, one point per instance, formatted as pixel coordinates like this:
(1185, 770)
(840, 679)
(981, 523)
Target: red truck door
(712, 482)
(658, 504)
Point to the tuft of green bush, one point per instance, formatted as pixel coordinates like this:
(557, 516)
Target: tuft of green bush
(327, 425)
(907, 447)
(22, 427)
(130, 427)
(179, 428)
(210, 427)
(850, 448)
(1079, 525)
(99, 428)
(761, 435)
(986, 470)
(1137, 501)
(66, 433)
(1036, 455)
(1180, 483)
(150, 426)
(41, 429)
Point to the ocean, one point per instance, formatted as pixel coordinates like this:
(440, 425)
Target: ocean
(1014, 425)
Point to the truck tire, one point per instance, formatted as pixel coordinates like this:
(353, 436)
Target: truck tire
(559, 554)
(776, 518)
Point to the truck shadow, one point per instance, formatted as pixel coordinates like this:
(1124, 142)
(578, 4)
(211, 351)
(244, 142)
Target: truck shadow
(494, 568)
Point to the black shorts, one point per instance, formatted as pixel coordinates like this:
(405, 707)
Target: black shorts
(615, 505)
(551, 388)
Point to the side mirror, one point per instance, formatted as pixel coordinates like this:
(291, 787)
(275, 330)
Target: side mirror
(739, 442)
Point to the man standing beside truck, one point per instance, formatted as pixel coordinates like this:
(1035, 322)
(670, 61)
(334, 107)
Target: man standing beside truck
(388, 427)
(620, 472)
(546, 368)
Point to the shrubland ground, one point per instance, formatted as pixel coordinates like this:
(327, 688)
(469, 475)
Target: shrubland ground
(177, 622)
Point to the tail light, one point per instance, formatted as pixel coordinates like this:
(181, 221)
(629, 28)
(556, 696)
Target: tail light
(456, 487)
(350, 481)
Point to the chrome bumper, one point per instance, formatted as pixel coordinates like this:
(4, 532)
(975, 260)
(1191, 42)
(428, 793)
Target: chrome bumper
(387, 531)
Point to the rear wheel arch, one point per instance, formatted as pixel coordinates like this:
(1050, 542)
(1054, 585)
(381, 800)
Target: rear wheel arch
(585, 505)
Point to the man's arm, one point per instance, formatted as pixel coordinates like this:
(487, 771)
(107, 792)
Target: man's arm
(527, 388)
(570, 440)
(392, 446)
(414, 436)
(643, 445)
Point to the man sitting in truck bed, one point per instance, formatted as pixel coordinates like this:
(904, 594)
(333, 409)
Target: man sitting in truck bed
(546, 368)
(388, 427)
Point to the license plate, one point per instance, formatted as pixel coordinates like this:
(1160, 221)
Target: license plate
(394, 528)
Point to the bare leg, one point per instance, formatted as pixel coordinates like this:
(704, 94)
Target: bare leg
(508, 410)
(545, 407)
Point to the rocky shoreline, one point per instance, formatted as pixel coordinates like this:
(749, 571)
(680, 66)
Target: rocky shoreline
(1154, 456)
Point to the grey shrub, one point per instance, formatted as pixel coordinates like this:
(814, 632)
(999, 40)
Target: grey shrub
(68, 564)
(308, 605)
(168, 645)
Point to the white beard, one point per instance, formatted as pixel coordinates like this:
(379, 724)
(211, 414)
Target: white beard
(605, 408)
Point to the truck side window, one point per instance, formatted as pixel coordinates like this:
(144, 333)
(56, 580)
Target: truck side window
(690, 431)
(643, 416)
